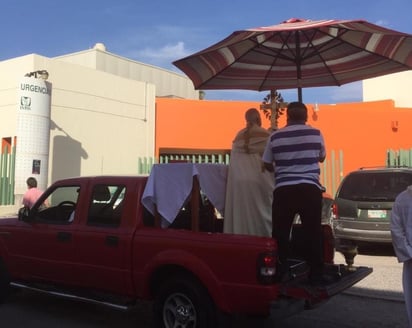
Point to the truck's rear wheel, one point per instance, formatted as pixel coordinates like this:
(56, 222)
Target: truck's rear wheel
(183, 302)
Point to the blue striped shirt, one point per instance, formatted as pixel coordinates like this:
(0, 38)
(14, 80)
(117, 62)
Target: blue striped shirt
(295, 151)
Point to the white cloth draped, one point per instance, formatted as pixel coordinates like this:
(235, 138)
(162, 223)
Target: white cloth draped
(169, 186)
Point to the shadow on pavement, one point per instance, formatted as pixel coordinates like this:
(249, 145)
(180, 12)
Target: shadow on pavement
(376, 249)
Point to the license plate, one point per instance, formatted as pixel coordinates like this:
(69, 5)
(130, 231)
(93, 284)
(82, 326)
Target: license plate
(376, 214)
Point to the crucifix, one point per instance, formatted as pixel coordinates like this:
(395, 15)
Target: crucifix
(273, 106)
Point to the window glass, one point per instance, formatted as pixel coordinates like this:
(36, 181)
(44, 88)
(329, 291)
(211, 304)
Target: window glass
(106, 205)
(375, 186)
(59, 207)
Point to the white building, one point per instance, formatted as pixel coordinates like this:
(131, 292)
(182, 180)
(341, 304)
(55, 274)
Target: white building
(395, 86)
(102, 116)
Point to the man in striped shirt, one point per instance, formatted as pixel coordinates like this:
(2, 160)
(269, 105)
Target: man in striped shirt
(294, 153)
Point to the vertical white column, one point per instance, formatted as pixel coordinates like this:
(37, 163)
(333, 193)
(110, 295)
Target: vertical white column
(33, 133)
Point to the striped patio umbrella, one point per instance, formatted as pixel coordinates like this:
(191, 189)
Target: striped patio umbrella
(299, 53)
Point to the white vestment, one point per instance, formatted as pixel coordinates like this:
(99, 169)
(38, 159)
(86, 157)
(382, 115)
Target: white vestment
(249, 190)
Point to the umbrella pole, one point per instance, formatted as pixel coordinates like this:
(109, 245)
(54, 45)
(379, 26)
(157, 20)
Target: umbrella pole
(298, 65)
(273, 111)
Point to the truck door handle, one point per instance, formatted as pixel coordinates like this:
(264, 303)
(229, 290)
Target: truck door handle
(64, 236)
(112, 240)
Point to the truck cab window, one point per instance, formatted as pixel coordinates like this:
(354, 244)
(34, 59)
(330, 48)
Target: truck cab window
(59, 207)
(106, 205)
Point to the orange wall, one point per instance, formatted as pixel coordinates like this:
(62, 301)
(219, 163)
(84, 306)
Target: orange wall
(198, 123)
(363, 131)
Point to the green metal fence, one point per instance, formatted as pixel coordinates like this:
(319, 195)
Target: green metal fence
(216, 156)
(145, 164)
(7, 175)
(399, 157)
(184, 155)
(331, 169)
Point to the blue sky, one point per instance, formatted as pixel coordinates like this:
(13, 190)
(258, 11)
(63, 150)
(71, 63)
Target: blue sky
(158, 32)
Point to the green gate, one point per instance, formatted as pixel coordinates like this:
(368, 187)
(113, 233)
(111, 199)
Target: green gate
(399, 157)
(7, 174)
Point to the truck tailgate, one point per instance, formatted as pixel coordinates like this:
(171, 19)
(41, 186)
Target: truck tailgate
(300, 288)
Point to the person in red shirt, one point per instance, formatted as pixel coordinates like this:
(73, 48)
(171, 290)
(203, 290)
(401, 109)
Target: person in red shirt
(32, 194)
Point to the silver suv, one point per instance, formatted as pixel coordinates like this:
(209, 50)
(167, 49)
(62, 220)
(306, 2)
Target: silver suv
(363, 204)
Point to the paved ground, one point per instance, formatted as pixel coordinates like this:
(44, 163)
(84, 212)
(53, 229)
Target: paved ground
(385, 282)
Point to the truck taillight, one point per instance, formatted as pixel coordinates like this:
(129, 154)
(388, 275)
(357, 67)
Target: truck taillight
(334, 211)
(266, 268)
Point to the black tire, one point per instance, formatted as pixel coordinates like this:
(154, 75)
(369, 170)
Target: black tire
(183, 302)
(4, 282)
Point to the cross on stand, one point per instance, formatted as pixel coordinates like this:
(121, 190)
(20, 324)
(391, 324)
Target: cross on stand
(273, 102)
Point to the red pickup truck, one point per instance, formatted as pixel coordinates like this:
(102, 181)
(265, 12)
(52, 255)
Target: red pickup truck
(115, 240)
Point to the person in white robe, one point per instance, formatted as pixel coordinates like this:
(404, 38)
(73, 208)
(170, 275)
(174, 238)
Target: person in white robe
(401, 231)
(249, 190)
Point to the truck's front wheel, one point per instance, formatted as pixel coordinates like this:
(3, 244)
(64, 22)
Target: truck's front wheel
(183, 302)
(4, 282)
